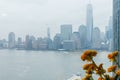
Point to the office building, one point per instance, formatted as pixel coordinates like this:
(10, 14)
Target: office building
(89, 25)
(11, 40)
(66, 32)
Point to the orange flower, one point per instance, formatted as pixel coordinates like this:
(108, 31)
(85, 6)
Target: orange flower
(90, 52)
(83, 78)
(86, 66)
(88, 55)
(94, 53)
(118, 72)
(85, 57)
(112, 56)
(101, 78)
(111, 78)
(115, 53)
(112, 68)
(89, 68)
(88, 76)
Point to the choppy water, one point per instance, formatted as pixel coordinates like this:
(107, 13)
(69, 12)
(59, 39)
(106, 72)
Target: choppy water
(42, 65)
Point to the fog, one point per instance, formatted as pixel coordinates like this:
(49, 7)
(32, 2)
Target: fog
(34, 16)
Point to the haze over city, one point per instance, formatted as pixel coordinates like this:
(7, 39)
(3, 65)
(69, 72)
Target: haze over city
(33, 17)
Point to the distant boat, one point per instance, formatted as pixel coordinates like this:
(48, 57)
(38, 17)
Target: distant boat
(61, 49)
(75, 77)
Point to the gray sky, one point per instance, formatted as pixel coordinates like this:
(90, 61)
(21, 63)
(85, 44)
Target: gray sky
(34, 16)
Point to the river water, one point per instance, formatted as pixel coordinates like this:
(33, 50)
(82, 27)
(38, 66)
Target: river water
(43, 65)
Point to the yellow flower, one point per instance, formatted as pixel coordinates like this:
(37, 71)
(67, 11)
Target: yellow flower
(88, 55)
(118, 72)
(85, 57)
(88, 76)
(115, 53)
(112, 68)
(111, 78)
(101, 78)
(112, 56)
(86, 66)
(90, 52)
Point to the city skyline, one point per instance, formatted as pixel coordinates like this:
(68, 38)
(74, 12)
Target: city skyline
(33, 17)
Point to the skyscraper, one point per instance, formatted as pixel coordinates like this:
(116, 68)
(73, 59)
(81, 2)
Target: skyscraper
(96, 38)
(116, 24)
(89, 24)
(11, 40)
(66, 32)
(48, 32)
(83, 36)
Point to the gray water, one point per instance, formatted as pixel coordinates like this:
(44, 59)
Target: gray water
(43, 65)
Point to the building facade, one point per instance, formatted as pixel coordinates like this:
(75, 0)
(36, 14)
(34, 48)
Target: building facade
(83, 36)
(116, 26)
(11, 40)
(96, 38)
(66, 32)
(89, 24)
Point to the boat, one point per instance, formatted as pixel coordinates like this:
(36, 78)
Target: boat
(75, 77)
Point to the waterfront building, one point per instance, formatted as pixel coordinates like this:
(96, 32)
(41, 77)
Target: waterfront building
(29, 42)
(20, 44)
(109, 34)
(68, 45)
(48, 32)
(49, 41)
(57, 42)
(96, 38)
(76, 39)
(66, 31)
(11, 40)
(83, 36)
(3, 44)
(43, 44)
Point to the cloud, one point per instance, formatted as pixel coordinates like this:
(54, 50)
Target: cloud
(4, 14)
(40, 2)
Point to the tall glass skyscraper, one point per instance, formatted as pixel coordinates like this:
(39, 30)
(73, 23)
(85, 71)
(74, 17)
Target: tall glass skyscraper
(116, 24)
(89, 24)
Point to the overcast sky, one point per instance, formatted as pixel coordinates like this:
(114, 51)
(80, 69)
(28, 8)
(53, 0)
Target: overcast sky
(34, 16)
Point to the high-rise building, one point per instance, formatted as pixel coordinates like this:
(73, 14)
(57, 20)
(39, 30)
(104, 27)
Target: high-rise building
(96, 38)
(116, 27)
(83, 37)
(109, 34)
(76, 39)
(29, 42)
(66, 32)
(116, 24)
(48, 32)
(11, 40)
(57, 42)
(89, 24)
(109, 30)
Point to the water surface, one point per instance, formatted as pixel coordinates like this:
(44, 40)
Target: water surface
(43, 65)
